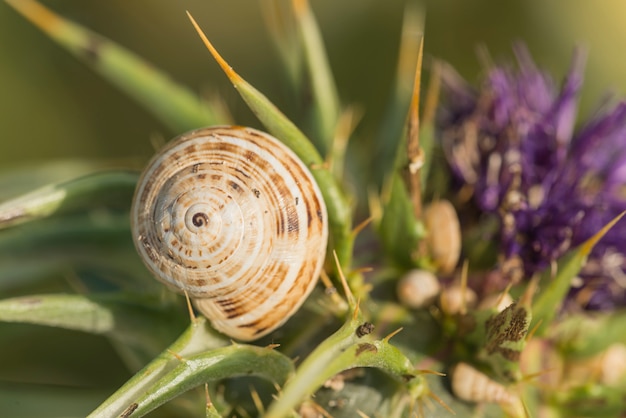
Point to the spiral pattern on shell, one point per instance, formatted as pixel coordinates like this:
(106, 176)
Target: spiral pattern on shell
(234, 218)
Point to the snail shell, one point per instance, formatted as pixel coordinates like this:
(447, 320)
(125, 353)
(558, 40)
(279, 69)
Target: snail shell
(231, 216)
(444, 234)
(456, 299)
(472, 385)
(418, 288)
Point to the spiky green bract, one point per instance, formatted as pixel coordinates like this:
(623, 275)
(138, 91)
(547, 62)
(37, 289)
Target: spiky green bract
(554, 287)
(108, 188)
(174, 105)
(505, 339)
(400, 226)
(345, 349)
(400, 232)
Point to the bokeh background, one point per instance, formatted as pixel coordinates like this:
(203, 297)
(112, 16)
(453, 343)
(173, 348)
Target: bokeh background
(53, 108)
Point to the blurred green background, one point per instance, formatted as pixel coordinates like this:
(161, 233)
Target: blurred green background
(52, 107)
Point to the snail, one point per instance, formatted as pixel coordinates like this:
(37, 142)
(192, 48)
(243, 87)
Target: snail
(472, 385)
(232, 217)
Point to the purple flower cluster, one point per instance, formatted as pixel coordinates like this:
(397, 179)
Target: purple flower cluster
(512, 143)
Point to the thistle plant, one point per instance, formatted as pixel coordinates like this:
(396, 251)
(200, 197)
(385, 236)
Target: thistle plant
(486, 280)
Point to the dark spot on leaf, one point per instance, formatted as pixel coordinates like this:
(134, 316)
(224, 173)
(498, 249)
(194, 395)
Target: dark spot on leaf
(364, 329)
(92, 48)
(128, 411)
(365, 347)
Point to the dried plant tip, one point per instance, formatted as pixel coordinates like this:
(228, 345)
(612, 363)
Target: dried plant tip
(444, 234)
(418, 289)
(192, 315)
(232, 75)
(388, 337)
(471, 385)
(455, 299)
(497, 301)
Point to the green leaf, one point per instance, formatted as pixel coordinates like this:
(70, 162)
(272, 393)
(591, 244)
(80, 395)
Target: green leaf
(326, 109)
(197, 358)
(348, 348)
(96, 243)
(389, 139)
(553, 290)
(26, 177)
(399, 231)
(176, 106)
(134, 319)
(110, 188)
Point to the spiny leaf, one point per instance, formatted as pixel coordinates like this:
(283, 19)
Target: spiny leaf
(553, 290)
(173, 104)
(398, 229)
(231, 361)
(351, 346)
(197, 338)
(401, 226)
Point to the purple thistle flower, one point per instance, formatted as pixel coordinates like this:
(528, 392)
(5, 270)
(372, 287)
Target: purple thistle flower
(513, 143)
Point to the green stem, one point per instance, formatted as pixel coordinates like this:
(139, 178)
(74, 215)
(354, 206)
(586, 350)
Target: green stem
(197, 338)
